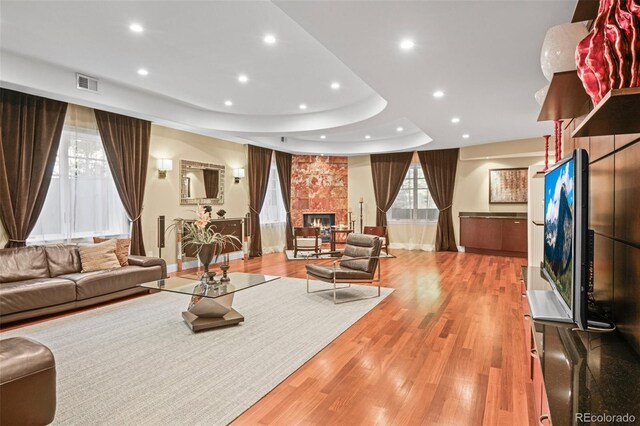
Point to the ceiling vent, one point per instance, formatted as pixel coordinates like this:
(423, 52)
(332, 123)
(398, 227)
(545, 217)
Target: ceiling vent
(84, 82)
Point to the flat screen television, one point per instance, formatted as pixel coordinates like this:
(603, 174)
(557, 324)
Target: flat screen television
(566, 234)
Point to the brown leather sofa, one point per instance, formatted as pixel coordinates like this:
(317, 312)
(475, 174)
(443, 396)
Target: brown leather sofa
(41, 280)
(27, 382)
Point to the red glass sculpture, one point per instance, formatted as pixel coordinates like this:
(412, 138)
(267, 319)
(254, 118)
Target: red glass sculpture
(609, 56)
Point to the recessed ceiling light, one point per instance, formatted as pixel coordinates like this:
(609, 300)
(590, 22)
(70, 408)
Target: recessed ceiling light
(399, 129)
(242, 78)
(228, 103)
(269, 39)
(136, 28)
(367, 136)
(455, 120)
(465, 136)
(302, 106)
(143, 71)
(407, 44)
(323, 136)
(438, 94)
(335, 85)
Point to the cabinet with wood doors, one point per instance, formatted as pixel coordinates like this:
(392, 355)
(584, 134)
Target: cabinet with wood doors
(494, 233)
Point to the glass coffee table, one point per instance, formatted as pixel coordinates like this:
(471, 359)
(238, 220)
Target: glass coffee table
(210, 305)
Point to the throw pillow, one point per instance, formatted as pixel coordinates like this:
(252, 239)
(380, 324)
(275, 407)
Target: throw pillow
(99, 257)
(122, 248)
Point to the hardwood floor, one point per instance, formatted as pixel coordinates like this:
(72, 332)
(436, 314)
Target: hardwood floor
(446, 348)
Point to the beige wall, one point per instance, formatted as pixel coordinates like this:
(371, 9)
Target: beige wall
(471, 191)
(162, 195)
(360, 184)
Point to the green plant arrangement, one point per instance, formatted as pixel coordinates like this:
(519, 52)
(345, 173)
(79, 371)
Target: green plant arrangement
(208, 242)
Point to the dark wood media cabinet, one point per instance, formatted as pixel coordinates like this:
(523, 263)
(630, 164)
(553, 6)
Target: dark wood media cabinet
(494, 233)
(578, 377)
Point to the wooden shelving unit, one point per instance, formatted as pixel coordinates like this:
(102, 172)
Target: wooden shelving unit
(585, 10)
(565, 99)
(617, 113)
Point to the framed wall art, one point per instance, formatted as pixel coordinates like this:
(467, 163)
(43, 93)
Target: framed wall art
(508, 186)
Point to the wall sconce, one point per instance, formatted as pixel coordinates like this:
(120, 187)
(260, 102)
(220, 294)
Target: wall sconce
(164, 165)
(237, 174)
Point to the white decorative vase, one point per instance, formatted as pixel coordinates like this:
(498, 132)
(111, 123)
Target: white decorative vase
(559, 48)
(541, 94)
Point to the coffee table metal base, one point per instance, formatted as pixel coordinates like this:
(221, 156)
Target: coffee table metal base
(197, 323)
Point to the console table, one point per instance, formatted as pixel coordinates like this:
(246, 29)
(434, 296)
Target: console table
(233, 226)
(494, 233)
(576, 374)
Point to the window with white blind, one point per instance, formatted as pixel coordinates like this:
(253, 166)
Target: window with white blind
(273, 208)
(414, 202)
(82, 200)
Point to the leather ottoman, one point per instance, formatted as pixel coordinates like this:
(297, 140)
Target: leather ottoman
(27, 382)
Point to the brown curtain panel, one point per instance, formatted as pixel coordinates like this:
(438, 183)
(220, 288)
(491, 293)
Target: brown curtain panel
(31, 127)
(388, 172)
(126, 143)
(439, 167)
(283, 163)
(258, 174)
(211, 183)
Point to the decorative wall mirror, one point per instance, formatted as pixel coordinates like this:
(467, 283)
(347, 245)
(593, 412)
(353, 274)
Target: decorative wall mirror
(201, 183)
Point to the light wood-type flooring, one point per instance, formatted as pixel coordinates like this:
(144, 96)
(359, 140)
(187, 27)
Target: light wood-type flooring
(445, 348)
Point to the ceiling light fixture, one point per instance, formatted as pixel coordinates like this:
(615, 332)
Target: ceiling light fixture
(143, 72)
(228, 103)
(136, 28)
(455, 120)
(367, 136)
(438, 94)
(335, 85)
(242, 78)
(465, 136)
(302, 106)
(407, 44)
(323, 136)
(269, 39)
(399, 129)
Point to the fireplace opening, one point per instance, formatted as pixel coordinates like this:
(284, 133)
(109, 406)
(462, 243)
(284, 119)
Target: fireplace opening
(324, 221)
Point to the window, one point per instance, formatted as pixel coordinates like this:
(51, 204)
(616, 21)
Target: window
(414, 200)
(82, 200)
(273, 207)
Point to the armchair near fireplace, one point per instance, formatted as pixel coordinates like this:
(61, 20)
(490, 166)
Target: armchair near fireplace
(380, 231)
(306, 239)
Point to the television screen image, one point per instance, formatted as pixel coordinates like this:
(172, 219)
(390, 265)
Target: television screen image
(559, 229)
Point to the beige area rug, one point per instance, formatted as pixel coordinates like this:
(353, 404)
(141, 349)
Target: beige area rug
(137, 363)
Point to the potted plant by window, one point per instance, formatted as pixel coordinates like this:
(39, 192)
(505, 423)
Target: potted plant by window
(208, 242)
